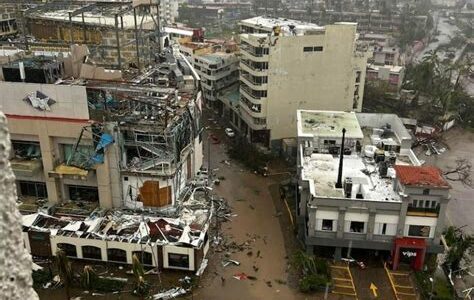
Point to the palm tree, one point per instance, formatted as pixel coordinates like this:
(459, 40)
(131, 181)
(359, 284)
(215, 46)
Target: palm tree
(65, 271)
(88, 277)
(141, 286)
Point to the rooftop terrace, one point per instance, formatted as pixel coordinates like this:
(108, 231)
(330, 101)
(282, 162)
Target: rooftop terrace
(322, 170)
(266, 23)
(328, 123)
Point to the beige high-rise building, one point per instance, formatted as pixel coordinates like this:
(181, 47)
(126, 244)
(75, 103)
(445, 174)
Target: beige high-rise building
(288, 65)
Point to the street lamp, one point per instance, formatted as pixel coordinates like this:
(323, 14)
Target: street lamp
(432, 288)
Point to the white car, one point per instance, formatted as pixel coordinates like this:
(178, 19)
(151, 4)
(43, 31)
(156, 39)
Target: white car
(229, 132)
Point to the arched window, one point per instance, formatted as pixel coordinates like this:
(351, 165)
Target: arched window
(144, 257)
(118, 255)
(69, 249)
(91, 252)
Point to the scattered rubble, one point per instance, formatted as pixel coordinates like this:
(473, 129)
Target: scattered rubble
(227, 262)
(169, 294)
(240, 276)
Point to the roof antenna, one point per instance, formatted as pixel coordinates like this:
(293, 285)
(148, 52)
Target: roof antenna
(341, 159)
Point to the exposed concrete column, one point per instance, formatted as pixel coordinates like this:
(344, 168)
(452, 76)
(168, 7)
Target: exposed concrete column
(15, 265)
(104, 183)
(441, 221)
(371, 224)
(338, 253)
(79, 251)
(403, 214)
(49, 160)
(311, 220)
(340, 223)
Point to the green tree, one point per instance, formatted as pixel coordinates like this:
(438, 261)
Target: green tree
(461, 248)
(314, 271)
(65, 271)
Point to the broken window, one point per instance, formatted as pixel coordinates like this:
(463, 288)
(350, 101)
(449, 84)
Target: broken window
(33, 189)
(327, 225)
(144, 257)
(78, 157)
(69, 249)
(118, 255)
(91, 252)
(26, 150)
(419, 230)
(83, 193)
(178, 260)
(357, 227)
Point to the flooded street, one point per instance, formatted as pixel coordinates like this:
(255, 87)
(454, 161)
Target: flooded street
(257, 222)
(461, 206)
(446, 32)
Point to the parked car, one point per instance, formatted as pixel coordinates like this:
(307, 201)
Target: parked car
(229, 132)
(214, 139)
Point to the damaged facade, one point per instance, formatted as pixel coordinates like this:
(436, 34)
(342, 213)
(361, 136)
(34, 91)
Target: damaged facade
(102, 158)
(376, 195)
(288, 65)
(174, 239)
(84, 138)
(118, 34)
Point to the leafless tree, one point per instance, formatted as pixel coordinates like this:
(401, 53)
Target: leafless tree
(462, 172)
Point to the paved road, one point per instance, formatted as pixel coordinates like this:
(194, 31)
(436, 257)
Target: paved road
(256, 223)
(446, 32)
(375, 275)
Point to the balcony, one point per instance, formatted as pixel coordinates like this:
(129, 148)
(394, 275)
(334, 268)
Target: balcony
(247, 106)
(251, 54)
(247, 66)
(250, 95)
(26, 167)
(248, 80)
(423, 212)
(252, 122)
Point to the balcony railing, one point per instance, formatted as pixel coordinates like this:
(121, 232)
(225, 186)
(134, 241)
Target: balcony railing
(252, 80)
(249, 92)
(252, 67)
(252, 51)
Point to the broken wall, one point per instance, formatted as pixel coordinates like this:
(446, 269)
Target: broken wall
(153, 191)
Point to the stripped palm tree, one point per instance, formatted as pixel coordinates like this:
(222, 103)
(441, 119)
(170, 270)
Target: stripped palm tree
(88, 277)
(65, 271)
(141, 286)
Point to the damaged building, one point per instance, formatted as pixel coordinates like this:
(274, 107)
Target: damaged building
(362, 187)
(85, 137)
(119, 34)
(175, 239)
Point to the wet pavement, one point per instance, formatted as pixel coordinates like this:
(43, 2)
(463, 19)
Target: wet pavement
(256, 222)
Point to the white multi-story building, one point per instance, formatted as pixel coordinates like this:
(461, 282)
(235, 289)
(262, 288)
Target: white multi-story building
(168, 11)
(217, 65)
(288, 65)
(218, 71)
(375, 196)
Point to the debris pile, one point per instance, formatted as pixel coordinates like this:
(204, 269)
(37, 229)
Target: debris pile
(430, 138)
